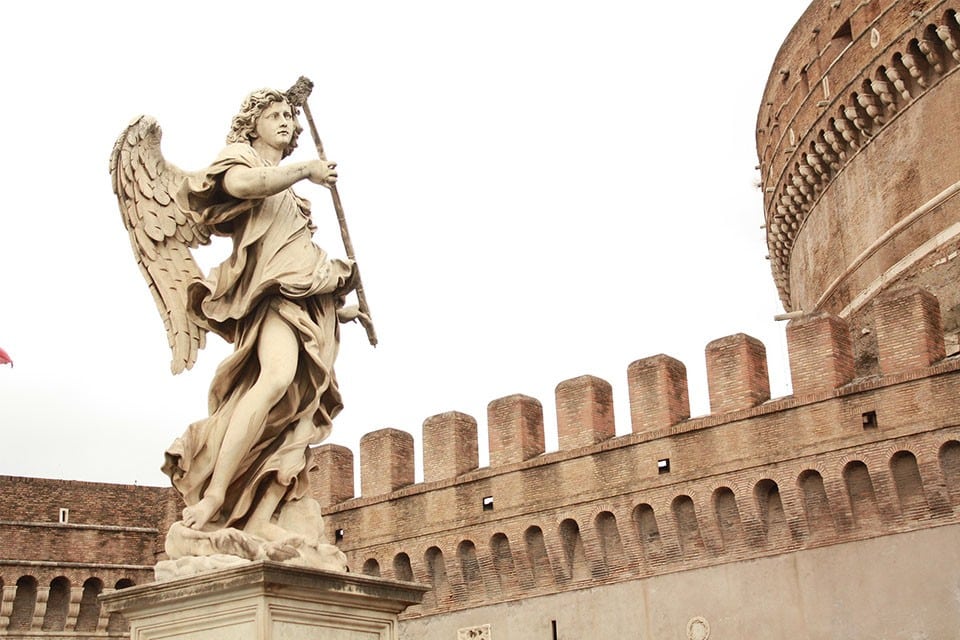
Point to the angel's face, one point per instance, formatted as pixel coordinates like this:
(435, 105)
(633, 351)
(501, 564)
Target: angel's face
(276, 125)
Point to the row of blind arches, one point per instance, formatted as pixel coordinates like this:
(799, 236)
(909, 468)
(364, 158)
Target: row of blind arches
(643, 550)
(56, 614)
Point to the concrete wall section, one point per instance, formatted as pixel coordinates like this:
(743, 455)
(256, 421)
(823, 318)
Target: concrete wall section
(894, 587)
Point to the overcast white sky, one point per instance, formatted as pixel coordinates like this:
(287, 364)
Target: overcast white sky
(536, 191)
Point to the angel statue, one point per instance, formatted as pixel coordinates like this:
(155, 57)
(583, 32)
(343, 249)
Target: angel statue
(279, 298)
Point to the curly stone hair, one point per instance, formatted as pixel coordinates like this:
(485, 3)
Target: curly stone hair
(244, 124)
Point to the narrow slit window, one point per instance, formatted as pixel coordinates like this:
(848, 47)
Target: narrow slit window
(338, 535)
(64, 515)
(841, 39)
(488, 503)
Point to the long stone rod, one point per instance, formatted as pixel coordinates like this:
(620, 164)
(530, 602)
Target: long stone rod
(344, 232)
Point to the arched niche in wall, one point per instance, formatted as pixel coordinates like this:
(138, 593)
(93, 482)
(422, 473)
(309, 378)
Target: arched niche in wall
(58, 605)
(816, 505)
(24, 604)
(89, 613)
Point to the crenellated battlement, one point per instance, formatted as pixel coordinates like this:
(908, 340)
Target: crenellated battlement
(754, 477)
(821, 365)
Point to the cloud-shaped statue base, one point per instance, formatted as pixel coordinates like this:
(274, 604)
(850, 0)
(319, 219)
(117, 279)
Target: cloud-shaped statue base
(296, 539)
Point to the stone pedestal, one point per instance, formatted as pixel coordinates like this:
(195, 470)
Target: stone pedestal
(266, 601)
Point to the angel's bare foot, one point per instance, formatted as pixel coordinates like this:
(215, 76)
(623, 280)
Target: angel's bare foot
(279, 551)
(272, 532)
(201, 513)
(283, 545)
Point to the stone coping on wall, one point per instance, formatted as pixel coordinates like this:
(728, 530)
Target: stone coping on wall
(70, 525)
(74, 565)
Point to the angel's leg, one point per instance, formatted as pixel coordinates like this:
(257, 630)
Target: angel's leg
(260, 523)
(278, 351)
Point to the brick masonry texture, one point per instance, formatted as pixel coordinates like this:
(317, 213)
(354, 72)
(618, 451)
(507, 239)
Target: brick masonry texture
(584, 411)
(822, 351)
(658, 393)
(449, 445)
(51, 571)
(515, 429)
(909, 330)
(390, 452)
(760, 479)
(737, 373)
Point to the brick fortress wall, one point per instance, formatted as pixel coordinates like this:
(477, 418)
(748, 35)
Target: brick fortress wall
(62, 543)
(843, 459)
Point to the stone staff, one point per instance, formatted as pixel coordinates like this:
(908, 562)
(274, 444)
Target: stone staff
(297, 96)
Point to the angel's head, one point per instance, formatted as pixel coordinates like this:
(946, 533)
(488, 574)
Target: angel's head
(244, 125)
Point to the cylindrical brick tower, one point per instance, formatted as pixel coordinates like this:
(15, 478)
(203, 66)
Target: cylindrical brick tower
(859, 143)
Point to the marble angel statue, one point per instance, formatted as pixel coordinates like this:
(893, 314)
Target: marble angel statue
(279, 298)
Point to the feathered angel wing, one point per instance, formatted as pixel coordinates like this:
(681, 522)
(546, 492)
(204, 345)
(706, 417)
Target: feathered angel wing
(161, 232)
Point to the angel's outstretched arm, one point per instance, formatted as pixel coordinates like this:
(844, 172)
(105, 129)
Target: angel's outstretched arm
(249, 183)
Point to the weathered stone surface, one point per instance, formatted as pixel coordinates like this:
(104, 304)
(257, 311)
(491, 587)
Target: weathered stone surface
(265, 601)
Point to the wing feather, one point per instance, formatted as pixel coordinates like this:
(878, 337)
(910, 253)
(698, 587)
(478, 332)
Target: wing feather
(161, 233)
(145, 184)
(168, 224)
(152, 224)
(163, 198)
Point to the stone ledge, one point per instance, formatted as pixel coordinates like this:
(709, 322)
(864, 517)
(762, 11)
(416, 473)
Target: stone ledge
(265, 600)
(70, 525)
(266, 577)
